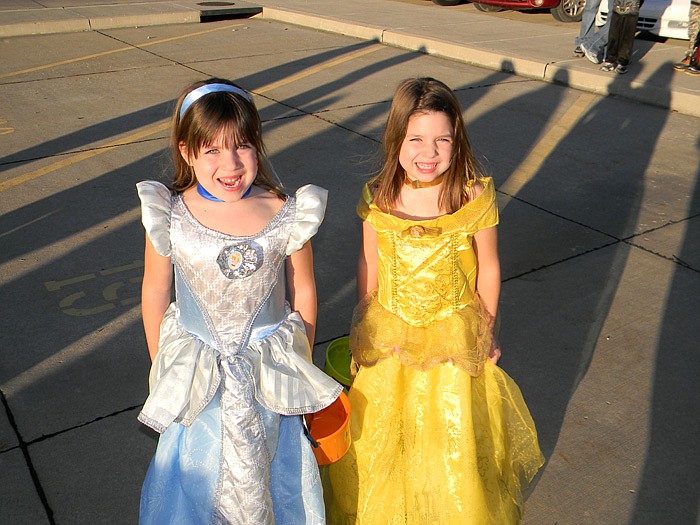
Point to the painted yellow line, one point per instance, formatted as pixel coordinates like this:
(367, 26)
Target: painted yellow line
(539, 153)
(5, 131)
(73, 159)
(112, 51)
(320, 67)
(163, 125)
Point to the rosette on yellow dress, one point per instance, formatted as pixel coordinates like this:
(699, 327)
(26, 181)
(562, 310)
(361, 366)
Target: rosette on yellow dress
(440, 434)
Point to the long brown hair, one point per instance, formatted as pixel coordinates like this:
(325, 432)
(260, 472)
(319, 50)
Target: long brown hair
(212, 116)
(423, 95)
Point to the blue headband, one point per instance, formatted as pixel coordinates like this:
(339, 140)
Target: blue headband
(198, 93)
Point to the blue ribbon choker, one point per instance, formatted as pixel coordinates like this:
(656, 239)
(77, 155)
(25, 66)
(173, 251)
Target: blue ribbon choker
(204, 193)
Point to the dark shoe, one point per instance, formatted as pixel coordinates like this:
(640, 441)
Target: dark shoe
(620, 69)
(692, 70)
(590, 55)
(608, 66)
(578, 52)
(682, 65)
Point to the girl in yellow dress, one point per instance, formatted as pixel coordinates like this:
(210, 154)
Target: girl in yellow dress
(441, 435)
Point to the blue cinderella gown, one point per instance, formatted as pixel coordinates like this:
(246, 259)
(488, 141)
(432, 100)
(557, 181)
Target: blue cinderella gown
(233, 373)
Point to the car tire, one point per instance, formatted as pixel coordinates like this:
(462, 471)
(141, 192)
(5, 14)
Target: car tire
(487, 8)
(447, 2)
(568, 10)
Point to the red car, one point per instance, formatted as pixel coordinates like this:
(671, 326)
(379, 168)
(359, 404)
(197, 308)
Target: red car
(562, 10)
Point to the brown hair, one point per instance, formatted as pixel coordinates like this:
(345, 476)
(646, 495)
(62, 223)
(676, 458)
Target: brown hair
(423, 95)
(214, 115)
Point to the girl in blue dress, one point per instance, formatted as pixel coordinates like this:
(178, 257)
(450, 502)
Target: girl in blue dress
(232, 371)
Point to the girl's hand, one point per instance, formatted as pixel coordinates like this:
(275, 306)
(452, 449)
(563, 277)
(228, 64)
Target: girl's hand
(354, 368)
(495, 353)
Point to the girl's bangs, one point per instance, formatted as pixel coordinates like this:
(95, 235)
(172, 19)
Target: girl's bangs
(225, 126)
(226, 134)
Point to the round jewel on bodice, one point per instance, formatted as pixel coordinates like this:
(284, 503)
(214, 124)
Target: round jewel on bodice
(238, 261)
(416, 231)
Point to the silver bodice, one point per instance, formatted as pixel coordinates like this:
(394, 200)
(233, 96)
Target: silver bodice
(229, 288)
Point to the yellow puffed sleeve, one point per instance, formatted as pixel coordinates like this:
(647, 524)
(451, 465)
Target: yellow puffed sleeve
(483, 211)
(365, 201)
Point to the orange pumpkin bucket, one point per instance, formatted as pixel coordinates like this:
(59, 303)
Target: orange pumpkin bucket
(330, 430)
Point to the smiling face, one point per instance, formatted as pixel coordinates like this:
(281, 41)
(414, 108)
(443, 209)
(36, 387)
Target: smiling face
(225, 169)
(426, 150)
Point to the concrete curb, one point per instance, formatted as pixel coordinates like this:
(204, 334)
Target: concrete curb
(561, 73)
(41, 22)
(94, 18)
(471, 55)
(352, 29)
(564, 72)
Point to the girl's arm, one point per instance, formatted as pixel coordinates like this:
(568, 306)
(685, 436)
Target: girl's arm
(367, 263)
(155, 294)
(367, 275)
(488, 280)
(302, 288)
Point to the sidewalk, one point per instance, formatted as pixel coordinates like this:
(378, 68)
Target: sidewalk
(529, 50)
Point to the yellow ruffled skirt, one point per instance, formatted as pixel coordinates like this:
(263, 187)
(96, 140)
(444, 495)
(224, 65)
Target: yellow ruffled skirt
(433, 446)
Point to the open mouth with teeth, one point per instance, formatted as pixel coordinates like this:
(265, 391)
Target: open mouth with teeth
(232, 183)
(425, 166)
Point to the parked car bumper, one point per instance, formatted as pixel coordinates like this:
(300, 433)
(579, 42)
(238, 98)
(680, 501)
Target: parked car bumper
(666, 18)
(526, 4)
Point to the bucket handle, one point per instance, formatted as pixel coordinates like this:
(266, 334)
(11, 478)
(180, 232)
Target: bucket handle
(307, 433)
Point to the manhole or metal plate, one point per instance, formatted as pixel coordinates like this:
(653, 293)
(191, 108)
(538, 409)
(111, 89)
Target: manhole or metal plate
(215, 4)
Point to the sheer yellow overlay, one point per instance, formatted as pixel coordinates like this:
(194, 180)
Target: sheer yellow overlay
(440, 434)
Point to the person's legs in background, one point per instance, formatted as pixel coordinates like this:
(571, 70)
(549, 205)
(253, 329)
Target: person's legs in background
(693, 28)
(620, 42)
(590, 11)
(594, 44)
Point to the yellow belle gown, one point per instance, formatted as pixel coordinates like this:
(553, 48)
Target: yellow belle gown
(440, 434)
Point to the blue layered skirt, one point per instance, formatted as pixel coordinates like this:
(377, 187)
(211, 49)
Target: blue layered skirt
(182, 483)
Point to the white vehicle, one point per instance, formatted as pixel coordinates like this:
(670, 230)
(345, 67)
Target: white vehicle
(666, 18)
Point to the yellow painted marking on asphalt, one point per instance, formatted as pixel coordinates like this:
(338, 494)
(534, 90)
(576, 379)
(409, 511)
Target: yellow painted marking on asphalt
(163, 125)
(53, 286)
(539, 153)
(320, 67)
(3, 130)
(112, 51)
(67, 303)
(116, 293)
(73, 159)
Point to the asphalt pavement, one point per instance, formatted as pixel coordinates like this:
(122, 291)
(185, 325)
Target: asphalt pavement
(599, 200)
(525, 49)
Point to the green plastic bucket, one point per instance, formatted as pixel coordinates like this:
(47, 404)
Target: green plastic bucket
(338, 361)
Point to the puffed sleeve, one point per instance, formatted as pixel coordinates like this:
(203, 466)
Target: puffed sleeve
(368, 211)
(310, 209)
(155, 214)
(485, 207)
(363, 208)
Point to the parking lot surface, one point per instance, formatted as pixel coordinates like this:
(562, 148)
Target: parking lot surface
(599, 241)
